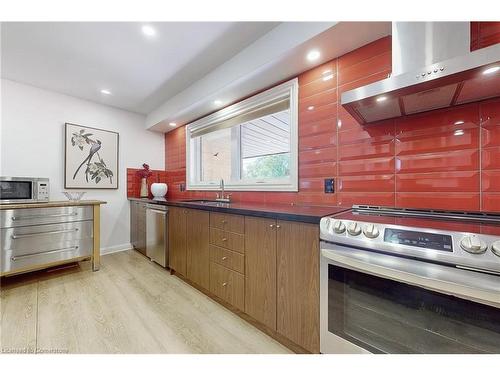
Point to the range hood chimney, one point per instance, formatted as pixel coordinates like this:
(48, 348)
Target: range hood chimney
(432, 67)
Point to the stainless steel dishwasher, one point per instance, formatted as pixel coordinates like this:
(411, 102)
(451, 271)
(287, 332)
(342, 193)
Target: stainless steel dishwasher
(156, 233)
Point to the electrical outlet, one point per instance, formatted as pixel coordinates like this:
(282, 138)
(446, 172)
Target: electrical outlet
(329, 185)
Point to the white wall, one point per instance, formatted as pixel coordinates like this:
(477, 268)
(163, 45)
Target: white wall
(32, 144)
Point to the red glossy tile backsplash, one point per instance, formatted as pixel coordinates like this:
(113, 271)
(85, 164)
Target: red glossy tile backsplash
(484, 34)
(134, 181)
(448, 159)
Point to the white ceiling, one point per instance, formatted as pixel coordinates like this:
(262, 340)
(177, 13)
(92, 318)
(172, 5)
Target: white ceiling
(177, 75)
(278, 55)
(81, 58)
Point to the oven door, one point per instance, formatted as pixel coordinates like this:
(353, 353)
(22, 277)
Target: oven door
(378, 303)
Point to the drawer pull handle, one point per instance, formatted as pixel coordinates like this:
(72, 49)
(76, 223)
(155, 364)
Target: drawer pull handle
(14, 218)
(224, 239)
(224, 258)
(278, 226)
(15, 237)
(224, 221)
(224, 284)
(18, 257)
(271, 225)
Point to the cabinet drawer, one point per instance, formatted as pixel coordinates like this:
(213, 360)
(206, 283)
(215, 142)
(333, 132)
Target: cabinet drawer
(228, 222)
(227, 258)
(51, 215)
(228, 240)
(13, 260)
(39, 238)
(227, 285)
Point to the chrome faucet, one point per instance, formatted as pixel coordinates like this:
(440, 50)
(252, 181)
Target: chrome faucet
(220, 196)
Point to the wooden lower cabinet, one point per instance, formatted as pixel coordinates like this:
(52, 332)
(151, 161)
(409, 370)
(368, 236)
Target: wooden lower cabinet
(298, 283)
(198, 252)
(227, 285)
(138, 226)
(269, 269)
(260, 270)
(228, 240)
(227, 258)
(177, 239)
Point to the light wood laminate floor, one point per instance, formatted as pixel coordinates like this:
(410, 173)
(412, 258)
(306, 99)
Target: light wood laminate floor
(130, 306)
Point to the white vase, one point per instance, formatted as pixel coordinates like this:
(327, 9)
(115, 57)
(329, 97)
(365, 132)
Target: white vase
(144, 188)
(159, 190)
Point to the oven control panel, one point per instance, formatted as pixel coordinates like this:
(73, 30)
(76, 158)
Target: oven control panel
(470, 250)
(442, 242)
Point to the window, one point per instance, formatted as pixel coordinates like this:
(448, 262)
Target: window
(251, 145)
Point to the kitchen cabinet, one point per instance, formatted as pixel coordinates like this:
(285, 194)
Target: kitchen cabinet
(227, 258)
(228, 240)
(227, 285)
(298, 283)
(260, 270)
(266, 268)
(37, 236)
(188, 232)
(138, 226)
(228, 222)
(197, 247)
(282, 278)
(177, 239)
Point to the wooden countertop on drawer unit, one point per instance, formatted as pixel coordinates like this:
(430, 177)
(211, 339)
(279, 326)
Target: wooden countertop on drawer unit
(67, 203)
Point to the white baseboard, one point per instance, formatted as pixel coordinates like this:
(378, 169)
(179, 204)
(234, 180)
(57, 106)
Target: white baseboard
(116, 248)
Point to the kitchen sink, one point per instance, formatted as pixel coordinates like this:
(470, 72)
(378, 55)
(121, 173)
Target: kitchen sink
(206, 202)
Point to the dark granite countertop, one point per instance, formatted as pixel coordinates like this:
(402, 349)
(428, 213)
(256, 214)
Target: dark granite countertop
(301, 213)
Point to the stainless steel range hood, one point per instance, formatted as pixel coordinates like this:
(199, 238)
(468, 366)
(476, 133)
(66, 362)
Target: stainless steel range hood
(432, 67)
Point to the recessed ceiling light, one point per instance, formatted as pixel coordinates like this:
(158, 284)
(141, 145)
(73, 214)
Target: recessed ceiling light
(459, 132)
(313, 55)
(381, 98)
(105, 92)
(310, 108)
(459, 122)
(218, 102)
(172, 124)
(148, 30)
(491, 70)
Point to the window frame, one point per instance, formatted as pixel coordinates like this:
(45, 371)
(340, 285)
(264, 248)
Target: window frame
(193, 166)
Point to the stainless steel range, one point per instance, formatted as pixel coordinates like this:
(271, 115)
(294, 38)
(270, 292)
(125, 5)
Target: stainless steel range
(410, 281)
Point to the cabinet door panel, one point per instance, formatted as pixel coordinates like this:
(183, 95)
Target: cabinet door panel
(133, 224)
(298, 283)
(260, 270)
(227, 284)
(227, 222)
(198, 253)
(227, 258)
(228, 240)
(141, 227)
(177, 239)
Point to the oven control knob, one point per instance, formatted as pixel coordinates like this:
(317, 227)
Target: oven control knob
(354, 229)
(339, 227)
(326, 225)
(495, 248)
(473, 245)
(371, 231)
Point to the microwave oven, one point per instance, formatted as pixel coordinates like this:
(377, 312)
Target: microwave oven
(23, 190)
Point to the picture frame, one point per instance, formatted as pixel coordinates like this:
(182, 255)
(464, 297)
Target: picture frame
(91, 157)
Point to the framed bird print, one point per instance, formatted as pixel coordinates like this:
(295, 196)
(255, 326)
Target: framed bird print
(91, 158)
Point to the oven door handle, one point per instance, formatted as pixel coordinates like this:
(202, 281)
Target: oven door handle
(475, 286)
